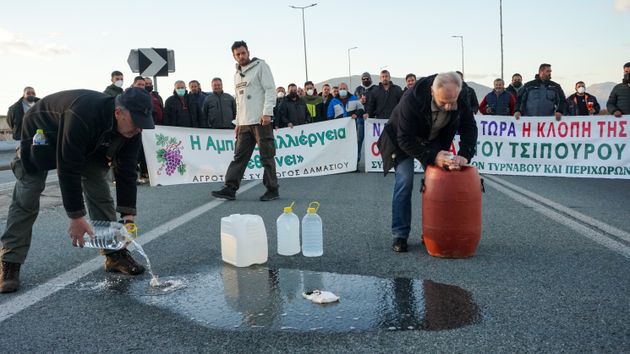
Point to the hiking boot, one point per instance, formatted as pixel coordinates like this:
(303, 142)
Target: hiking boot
(227, 192)
(121, 262)
(270, 195)
(9, 277)
(399, 245)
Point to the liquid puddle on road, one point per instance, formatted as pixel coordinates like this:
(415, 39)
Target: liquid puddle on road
(271, 299)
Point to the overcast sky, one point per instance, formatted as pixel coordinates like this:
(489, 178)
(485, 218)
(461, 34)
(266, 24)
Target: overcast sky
(58, 45)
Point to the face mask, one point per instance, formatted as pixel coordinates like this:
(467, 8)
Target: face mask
(292, 95)
(149, 88)
(280, 94)
(180, 92)
(626, 78)
(581, 89)
(310, 92)
(367, 83)
(517, 84)
(118, 83)
(343, 93)
(31, 99)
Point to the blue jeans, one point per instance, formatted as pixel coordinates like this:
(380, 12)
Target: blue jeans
(401, 200)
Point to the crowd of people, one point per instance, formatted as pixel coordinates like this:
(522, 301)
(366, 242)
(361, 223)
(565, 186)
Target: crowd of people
(87, 132)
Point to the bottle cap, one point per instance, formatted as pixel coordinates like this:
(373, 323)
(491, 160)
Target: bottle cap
(289, 209)
(39, 131)
(313, 207)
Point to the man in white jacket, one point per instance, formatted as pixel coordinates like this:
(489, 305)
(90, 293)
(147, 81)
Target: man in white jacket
(255, 99)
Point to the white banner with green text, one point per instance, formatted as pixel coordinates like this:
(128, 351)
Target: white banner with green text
(583, 146)
(191, 155)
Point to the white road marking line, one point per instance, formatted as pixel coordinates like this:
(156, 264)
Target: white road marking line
(535, 201)
(22, 301)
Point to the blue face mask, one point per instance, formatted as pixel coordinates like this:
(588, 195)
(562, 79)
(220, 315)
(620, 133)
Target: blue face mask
(180, 92)
(343, 93)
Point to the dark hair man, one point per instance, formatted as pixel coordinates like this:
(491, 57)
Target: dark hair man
(422, 127)
(18, 109)
(410, 79)
(116, 88)
(84, 131)
(516, 85)
(619, 100)
(255, 99)
(314, 103)
(541, 97)
(582, 103)
(383, 98)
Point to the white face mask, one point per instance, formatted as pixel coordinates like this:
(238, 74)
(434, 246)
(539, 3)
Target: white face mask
(310, 92)
(118, 83)
(280, 94)
(343, 93)
(581, 89)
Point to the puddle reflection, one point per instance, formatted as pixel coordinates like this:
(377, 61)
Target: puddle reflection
(258, 297)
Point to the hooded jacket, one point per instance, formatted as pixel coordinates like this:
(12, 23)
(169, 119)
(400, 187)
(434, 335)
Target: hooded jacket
(79, 125)
(255, 92)
(407, 132)
(15, 116)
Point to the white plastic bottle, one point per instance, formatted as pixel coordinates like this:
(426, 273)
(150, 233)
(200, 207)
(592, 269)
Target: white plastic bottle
(312, 232)
(288, 231)
(109, 235)
(39, 138)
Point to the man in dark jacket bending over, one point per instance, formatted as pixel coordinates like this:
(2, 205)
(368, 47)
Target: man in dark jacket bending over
(422, 127)
(84, 130)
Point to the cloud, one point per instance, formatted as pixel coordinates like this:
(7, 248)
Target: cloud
(622, 5)
(15, 43)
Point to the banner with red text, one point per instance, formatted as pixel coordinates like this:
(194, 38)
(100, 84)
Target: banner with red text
(192, 155)
(583, 146)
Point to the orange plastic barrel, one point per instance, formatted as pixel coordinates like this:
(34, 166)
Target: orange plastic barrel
(451, 212)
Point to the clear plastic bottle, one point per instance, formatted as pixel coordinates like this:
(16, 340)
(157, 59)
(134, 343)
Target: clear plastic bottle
(312, 232)
(288, 231)
(110, 235)
(39, 138)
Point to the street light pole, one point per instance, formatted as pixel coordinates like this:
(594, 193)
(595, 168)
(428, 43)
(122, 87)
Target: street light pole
(501, 28)
(462, 42)
(304, 33)
(350, 68)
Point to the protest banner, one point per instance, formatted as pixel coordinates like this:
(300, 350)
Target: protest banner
(178, 155)
(582, 146)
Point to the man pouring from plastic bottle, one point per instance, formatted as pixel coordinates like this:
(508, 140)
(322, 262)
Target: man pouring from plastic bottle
(422, 127)
(79, 133)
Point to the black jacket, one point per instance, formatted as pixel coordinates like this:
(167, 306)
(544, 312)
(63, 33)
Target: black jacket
(181, 112)
(294, 112)
(79, 126)
(219, 110)
(15, 116)
(470, 97)
(408, 129)
(575, 108)
(113, 90)
(381, 103)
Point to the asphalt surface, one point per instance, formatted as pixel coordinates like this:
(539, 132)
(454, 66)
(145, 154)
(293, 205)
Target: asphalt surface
(540, 280)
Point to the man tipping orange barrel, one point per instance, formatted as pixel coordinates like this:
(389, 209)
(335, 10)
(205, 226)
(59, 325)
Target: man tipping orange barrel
(422, 127)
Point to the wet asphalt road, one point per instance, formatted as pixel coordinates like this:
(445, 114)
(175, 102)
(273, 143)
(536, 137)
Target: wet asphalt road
(541, 282)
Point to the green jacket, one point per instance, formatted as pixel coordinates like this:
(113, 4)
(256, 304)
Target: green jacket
(113, 90)
(315, 106)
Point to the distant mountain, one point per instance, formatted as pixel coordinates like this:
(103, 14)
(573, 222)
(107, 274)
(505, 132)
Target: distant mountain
(600, 91)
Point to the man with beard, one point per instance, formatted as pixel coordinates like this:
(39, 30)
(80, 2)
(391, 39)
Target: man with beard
(541, 97)
(619, 100)
(382, 99)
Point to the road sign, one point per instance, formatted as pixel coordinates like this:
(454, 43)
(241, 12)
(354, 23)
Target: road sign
(152, 61)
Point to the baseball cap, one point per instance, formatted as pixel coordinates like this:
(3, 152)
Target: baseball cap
(366, 75)
(138, 102)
